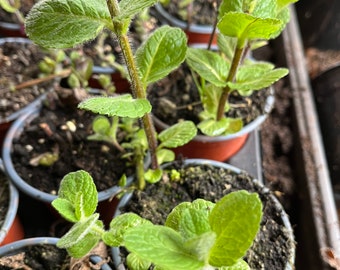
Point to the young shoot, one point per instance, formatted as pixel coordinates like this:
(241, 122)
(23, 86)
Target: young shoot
(196, 235)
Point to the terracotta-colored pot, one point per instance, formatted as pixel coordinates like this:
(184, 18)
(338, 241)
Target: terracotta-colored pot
(219, 148)
(12, 30)
(11, 229)
(195, 33)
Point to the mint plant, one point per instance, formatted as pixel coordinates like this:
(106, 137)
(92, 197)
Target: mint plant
(196, 235)
(226, 70)
(64, 24)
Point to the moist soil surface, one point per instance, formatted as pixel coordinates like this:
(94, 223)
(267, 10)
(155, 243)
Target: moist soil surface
(50, 133)
(18, 64)
(4, 197)
(273, 243)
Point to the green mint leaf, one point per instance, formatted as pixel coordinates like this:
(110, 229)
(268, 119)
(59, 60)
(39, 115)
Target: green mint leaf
(122, 106)
(153, 176)
(239, 265)
(174, 218)
(165, 155)
(265, 9)
(235, 230)
(64, 24)
(249, 79)
(210, 96)
(134, 262)
(129, 8)
(178, 134)
(161, 245)
(227, 46)
(248, 27)
(80, 233)
(119, 225)
(224, 126)
(201, 245)
(10, 7)
(101, 125)
(71, 203)
(209, 65)
(163, 51)
(194, 222)
(284, 3)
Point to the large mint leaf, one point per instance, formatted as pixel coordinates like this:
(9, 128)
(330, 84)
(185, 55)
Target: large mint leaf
(209, 65)
(63, 23)
(248, 27)
(178, 134)
(129, 8)
(77, 196)
(119, 225)
(194, 222)
(201, 245)
(163, 51)
(236, 220)
(122, 106)
(161, 245)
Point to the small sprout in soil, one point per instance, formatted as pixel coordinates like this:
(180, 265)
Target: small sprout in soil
(197, 235)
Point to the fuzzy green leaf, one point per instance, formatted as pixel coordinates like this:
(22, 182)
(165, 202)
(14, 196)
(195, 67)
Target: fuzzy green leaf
(80, 230)
(71, 203)
(165, 155)
(247, 27)
(235, 230)
(161, 245)
(136, 263)
(129, 8)
(284, 3)
(210, 96)
(224, 126)
(209, 65)
(101, 125)
(249, 79)
(10, 7)
(119, 225)
(227, 46)
(239, 265)
(174, 218)
(201, 245)
(84, 246)
(163, 51)
(153, 176)
(194, 222)
(64, 24)
(122, 106)
(178, 134)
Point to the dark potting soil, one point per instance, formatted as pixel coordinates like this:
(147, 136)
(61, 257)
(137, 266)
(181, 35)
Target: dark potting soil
(201, 12)
(272, 245)
(176, 97)
(18, 64)
(37, 257)
(50, 133)
(4, 197)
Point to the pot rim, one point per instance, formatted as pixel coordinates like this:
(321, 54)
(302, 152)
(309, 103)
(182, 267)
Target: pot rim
(12, 207)
(203, 29)
(15, 130)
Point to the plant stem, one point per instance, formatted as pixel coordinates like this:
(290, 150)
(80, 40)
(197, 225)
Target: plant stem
(137, 87)
(226, 90)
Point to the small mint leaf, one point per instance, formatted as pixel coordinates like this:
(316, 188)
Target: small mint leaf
(178, 134)
(129, 8)
(64, 24)
(122, 106)
(194, 222)
(208, 65)
(153, 176)
(165, 155)
(78, 196)
(134, 262)
(163, 51)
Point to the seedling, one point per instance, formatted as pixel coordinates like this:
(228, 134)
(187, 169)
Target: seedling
(223, 71)
(63, 24)
(196, 235)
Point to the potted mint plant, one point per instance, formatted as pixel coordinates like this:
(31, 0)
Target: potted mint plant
(197, 235)
(225, 73)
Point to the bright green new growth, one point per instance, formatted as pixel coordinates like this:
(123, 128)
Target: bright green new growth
(241, 24)
(197, 235)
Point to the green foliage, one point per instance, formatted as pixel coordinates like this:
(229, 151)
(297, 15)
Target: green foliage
(195, 235)
(242, 24)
